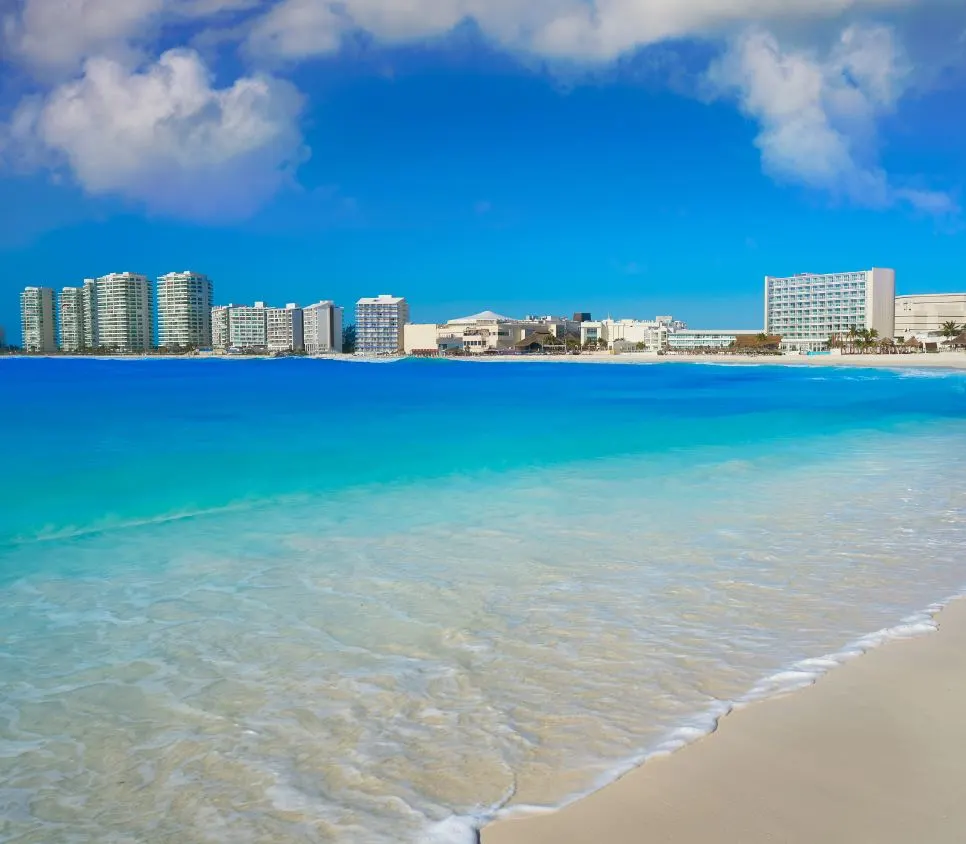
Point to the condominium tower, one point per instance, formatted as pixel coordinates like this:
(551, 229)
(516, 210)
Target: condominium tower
(322, 328)
(122, 310)
(379, 325)
(247, 328)
(808, 309)
(37, 319)
(283, 329)
(184, 310)
(72, 319)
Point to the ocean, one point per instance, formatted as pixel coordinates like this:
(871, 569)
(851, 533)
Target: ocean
(297, 600)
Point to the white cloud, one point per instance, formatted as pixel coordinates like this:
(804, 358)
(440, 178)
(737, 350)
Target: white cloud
(818, 112)
(165, 138)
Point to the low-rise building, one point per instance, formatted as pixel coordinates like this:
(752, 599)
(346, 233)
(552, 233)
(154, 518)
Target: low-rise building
(322, 328)
(484, 333)
(925, 313)
(626, 334)
(697, 339)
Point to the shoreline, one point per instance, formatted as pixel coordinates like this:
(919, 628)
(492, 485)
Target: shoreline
(885, 707)
(954, 361)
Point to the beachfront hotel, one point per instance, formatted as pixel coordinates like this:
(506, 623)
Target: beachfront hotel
(924, 314)
(807, 309)
(71, 313)
(120, 312)
(184, 310)
(380, 321)
(322, 328)
(283, 329)
(37, 319)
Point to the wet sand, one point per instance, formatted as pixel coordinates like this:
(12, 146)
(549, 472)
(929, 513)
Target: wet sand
(875, 751)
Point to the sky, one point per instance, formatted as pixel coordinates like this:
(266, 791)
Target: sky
(624, 157)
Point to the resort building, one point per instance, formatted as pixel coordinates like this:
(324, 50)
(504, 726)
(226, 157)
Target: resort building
(247, 327)
(37, 319)
(322, 328)
(184, 310)
(807, 309)
(122, 311)
(379, 325)
(924, 314)
(71, 310)
(220, 332)
(283, 329)
(626, 334)
(482, 333)
(696, 339)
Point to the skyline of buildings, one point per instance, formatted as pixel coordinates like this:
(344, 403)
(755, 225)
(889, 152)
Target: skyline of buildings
(115, 311)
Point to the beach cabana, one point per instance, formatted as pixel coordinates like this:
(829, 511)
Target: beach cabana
(539, 342)
(957, 342)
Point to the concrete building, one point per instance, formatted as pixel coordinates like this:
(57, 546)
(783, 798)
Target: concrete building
(283, 329)
(482, 333)
(627, 334)
(71, 310)
(89, 303)
(807, 309)
(184, 310)
(220, 329)
(379, 325)
(37, 319)
(121, 315)
(698, 339)
(322, 328)
(247, 327)
(924, 314)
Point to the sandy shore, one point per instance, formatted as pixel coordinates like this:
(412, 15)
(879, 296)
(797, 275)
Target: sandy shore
(944, 360)
(873, 752)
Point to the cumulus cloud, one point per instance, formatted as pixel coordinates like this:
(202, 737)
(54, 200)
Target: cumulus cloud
(164, 137)
(818, 112)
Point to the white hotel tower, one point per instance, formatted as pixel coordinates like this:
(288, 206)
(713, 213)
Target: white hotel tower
(809, 308)
(37, 319)
(119, 314)
(72, 319)
(184, 310)
(379, 325)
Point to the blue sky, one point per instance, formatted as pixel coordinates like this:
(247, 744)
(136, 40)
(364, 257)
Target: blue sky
(629, 157)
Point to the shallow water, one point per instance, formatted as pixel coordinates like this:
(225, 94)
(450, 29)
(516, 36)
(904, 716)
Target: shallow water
(319, 601)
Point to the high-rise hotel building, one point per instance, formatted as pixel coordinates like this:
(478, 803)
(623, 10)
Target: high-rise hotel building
(37, 319)
(117, 312)
(379, 325)
(184, 310)
(808, 309)
(71, 309)
(322, 328)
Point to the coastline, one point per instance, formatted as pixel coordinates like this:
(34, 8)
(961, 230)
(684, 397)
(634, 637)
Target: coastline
(943, 360)
(867, 752)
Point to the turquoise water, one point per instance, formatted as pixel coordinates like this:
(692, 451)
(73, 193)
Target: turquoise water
(324, 601)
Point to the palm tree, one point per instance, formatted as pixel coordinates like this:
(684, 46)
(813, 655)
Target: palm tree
(854, 335)
(949, 329)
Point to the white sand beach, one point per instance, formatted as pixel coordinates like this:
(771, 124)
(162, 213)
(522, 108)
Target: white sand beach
(873, 752)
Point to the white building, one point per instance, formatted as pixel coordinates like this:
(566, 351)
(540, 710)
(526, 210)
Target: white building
(379, 325)
(247, 327)
(37, 319)
(807, 309)
(485, 332)
(924, 314)
(122, 310)
(322, 328)
(184, 310)
(89, 304)
(283, 329)
(627, 334)
(220, 330)
(697, 339)
(71, 308)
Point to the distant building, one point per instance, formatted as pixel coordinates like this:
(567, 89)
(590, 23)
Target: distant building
(925, 313)
(71, 308)
(697, 339)
(283, 329)
(626, 334)
(37, 319)
(184, 310)
(379, 325)
(322, 328)
(807, 309)
(220, 329)
(482, 333)
(247, 327)
(89, 305)
(582, 316)
(122, 310)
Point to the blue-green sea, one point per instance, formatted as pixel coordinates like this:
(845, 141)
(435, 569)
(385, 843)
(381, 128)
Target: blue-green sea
(323, 601)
